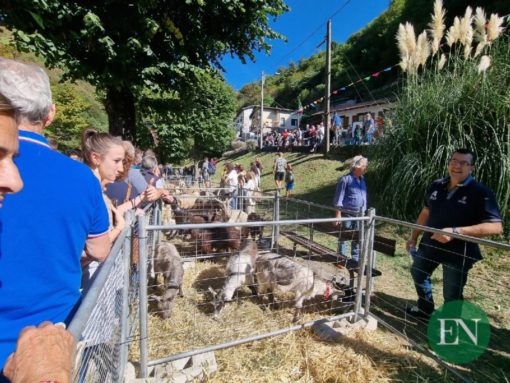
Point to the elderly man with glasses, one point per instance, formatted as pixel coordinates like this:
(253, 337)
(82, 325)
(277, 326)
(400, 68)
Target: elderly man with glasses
(460, 205)
(350, 200)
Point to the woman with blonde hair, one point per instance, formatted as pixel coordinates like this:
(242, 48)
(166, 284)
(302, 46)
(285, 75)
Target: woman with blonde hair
(123, 192)
(104, 155)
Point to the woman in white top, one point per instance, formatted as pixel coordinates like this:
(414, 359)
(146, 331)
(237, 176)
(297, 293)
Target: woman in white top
(249, 187)
(231, 184)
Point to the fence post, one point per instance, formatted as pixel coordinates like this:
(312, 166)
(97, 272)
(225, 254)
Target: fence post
(370, 261)
(124, 319)
(273, 230)
(143, 295)
(361, 269)
(240, 198)
(276, 228)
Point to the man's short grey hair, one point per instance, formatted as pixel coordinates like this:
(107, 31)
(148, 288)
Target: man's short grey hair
(149, 162)
(27, 87)
(358, 162)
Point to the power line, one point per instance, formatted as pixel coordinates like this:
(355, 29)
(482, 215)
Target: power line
(314, 32)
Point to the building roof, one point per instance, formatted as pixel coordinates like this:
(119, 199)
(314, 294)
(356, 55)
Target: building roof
(359, 105)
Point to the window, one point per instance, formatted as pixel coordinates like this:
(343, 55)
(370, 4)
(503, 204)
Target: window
(282, 121)
(293, 122)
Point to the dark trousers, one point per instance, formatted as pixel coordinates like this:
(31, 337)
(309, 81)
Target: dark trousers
(454, 279)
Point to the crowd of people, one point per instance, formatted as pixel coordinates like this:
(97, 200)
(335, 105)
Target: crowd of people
(312, 137)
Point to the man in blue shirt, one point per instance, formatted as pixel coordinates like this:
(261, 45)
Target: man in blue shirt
(45, 227)
(460, 205)
(351, 200)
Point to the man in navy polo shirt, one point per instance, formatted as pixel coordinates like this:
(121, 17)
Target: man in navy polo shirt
(456, 204)
(351, 198)
(45, 227)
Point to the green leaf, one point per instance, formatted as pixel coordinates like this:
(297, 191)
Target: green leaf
(38, 19)
(23, 36)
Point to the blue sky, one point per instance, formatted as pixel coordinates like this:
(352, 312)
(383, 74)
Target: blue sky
(305, 21)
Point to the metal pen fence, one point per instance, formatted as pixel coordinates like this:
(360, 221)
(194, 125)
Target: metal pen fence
(107, 319)
(195, 328)
(121, 310)
(486, 285)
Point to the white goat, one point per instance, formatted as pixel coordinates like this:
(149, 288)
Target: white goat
(239, 272)
(277, 273)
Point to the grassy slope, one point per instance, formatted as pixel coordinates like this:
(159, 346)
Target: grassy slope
(489, 280)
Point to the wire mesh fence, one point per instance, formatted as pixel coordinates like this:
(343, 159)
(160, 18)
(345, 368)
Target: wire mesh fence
(440, 276)
(107, 319)
(226, 298)
(229, 284)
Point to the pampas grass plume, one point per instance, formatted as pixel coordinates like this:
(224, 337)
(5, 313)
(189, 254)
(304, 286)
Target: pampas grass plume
(480, 35)
(453, 34)
(422, 49)
(442, 61)
(437, 26)
(494, 27)
(485, 62)
(402, 47)
(466, 31)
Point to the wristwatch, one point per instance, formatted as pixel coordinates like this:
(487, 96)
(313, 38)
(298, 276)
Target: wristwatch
(455, 230)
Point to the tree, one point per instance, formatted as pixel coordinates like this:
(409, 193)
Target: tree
(123, 47)
(191, 123)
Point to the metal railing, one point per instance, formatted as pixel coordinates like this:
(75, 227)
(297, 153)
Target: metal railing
(117, 311)
(106, 320)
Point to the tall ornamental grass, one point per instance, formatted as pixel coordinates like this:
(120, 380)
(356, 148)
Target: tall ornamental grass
(464, 104)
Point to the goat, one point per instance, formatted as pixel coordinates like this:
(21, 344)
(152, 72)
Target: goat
(239, 271)
(187, 201)
(276, 273)
(219, 238)
(169, 264)
(253, 231)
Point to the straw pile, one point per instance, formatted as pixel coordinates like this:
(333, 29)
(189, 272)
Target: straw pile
(293, 357)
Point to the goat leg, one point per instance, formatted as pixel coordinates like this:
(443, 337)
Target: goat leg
(298, 314)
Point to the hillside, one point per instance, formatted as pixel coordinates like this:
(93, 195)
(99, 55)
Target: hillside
(371, 49)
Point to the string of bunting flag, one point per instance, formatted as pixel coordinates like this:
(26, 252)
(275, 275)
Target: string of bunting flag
(344, 88)
(301, 109)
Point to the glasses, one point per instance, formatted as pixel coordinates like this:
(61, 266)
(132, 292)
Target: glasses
(460, 163)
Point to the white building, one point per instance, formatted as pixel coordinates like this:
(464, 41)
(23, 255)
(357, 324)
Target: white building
(248, 119)
(352, 112)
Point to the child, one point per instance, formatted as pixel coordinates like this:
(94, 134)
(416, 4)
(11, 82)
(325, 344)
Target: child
(289, 180)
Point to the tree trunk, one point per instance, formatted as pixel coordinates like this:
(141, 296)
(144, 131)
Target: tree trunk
(120, 107)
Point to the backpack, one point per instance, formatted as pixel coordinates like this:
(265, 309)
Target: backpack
(210, 169)
(289, 177)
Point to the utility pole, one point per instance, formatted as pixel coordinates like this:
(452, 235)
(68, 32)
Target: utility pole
(327, 119)
(261, 109)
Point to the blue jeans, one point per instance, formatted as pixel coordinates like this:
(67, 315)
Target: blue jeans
(454, 279)
(233, 202)
(350, 225)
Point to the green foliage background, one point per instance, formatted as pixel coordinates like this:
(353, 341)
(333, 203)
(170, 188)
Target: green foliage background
(77, 103)
(195, 121)
(441, 110)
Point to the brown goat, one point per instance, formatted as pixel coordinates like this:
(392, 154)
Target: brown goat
(219, 238)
